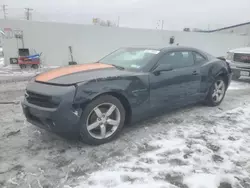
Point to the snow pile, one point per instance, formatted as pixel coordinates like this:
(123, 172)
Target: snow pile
(213, 153)
(238, 85)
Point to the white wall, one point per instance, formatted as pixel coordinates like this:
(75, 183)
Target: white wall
(90, 43)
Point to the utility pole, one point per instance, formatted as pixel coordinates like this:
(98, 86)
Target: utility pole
(28, 13)
(162, 24)
(4, 11)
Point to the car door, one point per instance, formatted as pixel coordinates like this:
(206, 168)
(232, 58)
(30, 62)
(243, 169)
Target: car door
(177, 86)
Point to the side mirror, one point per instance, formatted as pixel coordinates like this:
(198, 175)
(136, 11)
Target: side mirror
(162, 67)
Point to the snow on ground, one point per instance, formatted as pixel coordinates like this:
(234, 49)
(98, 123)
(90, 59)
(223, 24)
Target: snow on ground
(13, 73)
(182, 149)
(238, 85)
(214, 152)
(14, 70)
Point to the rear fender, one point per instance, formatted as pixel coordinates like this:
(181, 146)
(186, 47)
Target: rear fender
(217, 69)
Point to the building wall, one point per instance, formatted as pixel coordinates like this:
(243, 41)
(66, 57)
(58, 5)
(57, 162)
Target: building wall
(90, 43)
(241, 30)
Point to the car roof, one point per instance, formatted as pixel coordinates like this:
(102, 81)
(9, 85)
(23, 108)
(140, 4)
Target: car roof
(179, 48)
(163, 48)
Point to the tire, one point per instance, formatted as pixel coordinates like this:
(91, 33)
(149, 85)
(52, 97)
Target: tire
(22, 66)
(90, 117)
(210, 99)
(35, 66)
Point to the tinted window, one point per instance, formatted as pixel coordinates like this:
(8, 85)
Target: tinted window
(199, 58)
(178, 59)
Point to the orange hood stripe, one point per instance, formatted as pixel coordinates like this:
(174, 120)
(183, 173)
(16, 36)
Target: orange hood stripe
(55, 73)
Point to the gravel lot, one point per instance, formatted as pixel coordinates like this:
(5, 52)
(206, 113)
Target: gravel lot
(33, 158)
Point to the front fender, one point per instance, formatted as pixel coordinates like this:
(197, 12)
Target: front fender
(132, 88)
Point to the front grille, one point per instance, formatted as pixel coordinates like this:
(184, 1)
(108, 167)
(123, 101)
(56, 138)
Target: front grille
(241, 57)
(40, 100)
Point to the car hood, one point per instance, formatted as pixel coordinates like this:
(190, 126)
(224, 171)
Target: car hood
(241, 50)
(73, 74)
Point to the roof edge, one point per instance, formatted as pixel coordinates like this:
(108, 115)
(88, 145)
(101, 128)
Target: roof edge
(229, 27)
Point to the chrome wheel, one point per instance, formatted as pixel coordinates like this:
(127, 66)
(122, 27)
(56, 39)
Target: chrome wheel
(103, 121)
(219, 91)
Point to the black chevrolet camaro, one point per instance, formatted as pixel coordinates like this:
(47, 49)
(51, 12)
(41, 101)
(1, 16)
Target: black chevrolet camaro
(95, 100)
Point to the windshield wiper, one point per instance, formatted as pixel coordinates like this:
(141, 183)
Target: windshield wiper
(118, 67)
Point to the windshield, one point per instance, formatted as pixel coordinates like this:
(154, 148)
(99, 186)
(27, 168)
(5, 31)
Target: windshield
(130, 58)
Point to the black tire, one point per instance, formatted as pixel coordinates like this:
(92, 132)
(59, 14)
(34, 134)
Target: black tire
(85, 136)
(209, 99)
(22, 66)
(34, 66)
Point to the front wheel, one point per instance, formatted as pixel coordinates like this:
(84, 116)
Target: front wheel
(22, 66)
(102, 120)
(216, 92)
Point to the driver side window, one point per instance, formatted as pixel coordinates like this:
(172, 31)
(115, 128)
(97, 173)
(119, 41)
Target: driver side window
(178, 59)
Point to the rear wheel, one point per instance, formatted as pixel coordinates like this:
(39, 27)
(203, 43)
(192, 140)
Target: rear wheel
(35, 66)
(102, 120)
(216, 92)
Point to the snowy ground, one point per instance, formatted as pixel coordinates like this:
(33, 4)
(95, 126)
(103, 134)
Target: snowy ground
(12, 73)
(207, 153)
(194, 147)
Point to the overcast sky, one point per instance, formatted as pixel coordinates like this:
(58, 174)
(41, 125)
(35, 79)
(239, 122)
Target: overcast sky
(176, 14)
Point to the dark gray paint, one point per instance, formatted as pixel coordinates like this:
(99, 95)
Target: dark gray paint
(144, 91)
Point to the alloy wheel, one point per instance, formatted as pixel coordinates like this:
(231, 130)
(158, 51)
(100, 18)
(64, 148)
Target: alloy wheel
(219, 91)
(103, 120)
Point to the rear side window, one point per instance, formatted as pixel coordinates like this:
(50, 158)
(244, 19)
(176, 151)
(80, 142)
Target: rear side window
(178, 59)
(198, 58)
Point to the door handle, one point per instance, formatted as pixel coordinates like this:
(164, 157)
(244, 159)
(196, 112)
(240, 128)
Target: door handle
(195, 73)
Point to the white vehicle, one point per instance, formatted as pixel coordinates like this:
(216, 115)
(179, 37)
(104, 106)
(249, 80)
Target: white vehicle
(239, 61)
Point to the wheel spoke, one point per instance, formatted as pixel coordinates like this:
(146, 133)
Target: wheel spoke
(98, 112)
(103, 131)
(113, 122)
(220, 85)
(216, 85)
(214, 94)
(93, 126)
(217, 97)
(220, 91)
(110, 110)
